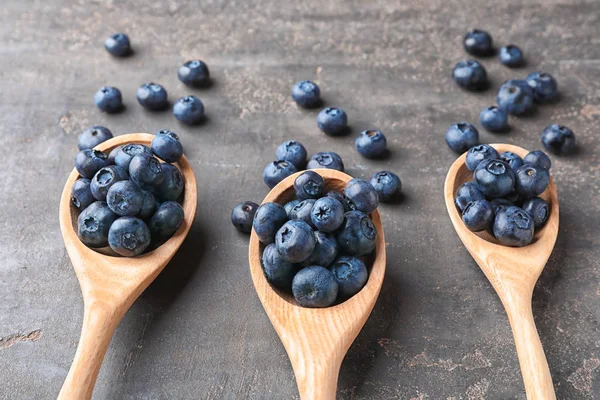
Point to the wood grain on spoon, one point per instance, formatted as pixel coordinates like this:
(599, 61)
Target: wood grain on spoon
(110, 284)
(513, 272)
(317, 339)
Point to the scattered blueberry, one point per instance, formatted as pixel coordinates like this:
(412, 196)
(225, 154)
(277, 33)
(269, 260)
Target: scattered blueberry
(109, 99)
(371, 144)
(127, 152)
(105, 178)
(129, 236)
(478, 215)
(477, 154)
(350, 274)
(361, 195)
(309, 185)
(558, 139)
(513, 227)
(511, 56)
(531, 180)
(148, 206)
(494, 119)
(538, 209)
(544, 86)
(194, 73)
(118, 45)
(306, 94)
(314, 287)
(470, 75)
(172, 185)
(165, 221)
(278, 272)
(189, 110)
(303, 211)
(289, 206)
(326, 250)
(467, 193)
(512, 159)
(327, 214)
(295, 241)
(125, 198)
(81, 194)
(462, 136)
(93, 224)
(327, 159)
(387, 185)
(515, 96)
(333, 121)
(152, 96)
(539, 158)
(88, 162)
(478, 43)
(494, 178)
(293, 152)
(242, 216)
(277, 171)
(357, 235)
(93, 136)
(268, 219)
(166, 146)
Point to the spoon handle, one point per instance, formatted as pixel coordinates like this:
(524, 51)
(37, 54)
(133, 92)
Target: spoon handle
(534, 366)
(99, 323)
(316, 378)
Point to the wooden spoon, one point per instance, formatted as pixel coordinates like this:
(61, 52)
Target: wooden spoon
(111, 284)
(317, 339)
(513, 272)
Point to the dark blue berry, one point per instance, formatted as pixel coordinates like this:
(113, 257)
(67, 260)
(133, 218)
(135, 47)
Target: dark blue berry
(327, 214)
(478, 215)
(357, 235)
(511, 56)
(538, 209)
(326, 250)
(333, 121)
(105, 178)
(152, 96)
(361, 195)
(242, 216)
(339, 197)
(462, 136)
(477, 154)
(189, 110)
(515, 96)
(277, 171)
(118, 45)
(81, 194)
(467, 193)
(306, 94)
(350, 274)
(494, 119)
(327, 159)
(387, 185)
(539, 158)
(109, 99)
(309, 185)
(293, 152)
(531, 180)
(513, 227)
(113, 154)
(194, 73)
(129, 236)
(165, 221)
(278, 272)
(290, 205)
(88, 162)
(470, 75)
(500, 203)
(148, 206)
(125, 198)
(93, 136)
(478, 43)
(371, 144)
(146, 171)
(124, 155)
(558, 139)
(314, 287)
(295, 241)
(494, 178)
(268, 219)
(93, 224)
(166, 146)
(513, 160)
(544, 86)
(303, 211)
(172, 185)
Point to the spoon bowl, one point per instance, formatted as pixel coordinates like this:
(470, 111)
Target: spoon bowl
(110, 284)
(513, 272)
(317, 339)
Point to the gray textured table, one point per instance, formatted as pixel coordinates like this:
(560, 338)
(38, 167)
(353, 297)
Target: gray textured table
(437, 332)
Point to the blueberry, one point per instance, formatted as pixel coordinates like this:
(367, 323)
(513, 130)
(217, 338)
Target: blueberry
(303, 211)
(172, 185)
(544, 86)
(357, 235)
(539, 158)
(278, 272)
(387, 185)
(514, 196)
(478, 43)
(332, 121)
(513, 227)
(105, 178)
(127, 152)
(515, 96)
(113, 154)
(93, 136)
(125, 198)
(494, 178)
(314, 287)
(189, 110)
(309, 185)
(350, 274)
(88, 162)
(81, 194)
(340, 197)
(268, 219)
(361, 195)
(166, 146)
(326, 250)
(470, 75)
(109, 99)
(512, 159)
(478, 215)
(129, 236)
(148, 206)
(511, 56)
(290, 205)
(165, 221)
(462, 136)
(306, 94)
(538, 209)
(494, 119)
(371, 144)
(558, 139)
(500, 203)
(327, 214)
(194, 73)
(295, 241)
(146, 171)
(477, 154)
(327, 159)
(242, 216)
(152, 96)
(277, 171)
(293, 152)
(467, 193)
(118, 45)
(93, 224)
(531, 180)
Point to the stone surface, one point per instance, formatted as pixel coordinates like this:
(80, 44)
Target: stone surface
(438, 330)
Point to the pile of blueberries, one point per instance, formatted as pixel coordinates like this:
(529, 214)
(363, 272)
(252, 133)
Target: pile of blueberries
(316, 244)
(128, 199)
(503, 196)
(152, 96)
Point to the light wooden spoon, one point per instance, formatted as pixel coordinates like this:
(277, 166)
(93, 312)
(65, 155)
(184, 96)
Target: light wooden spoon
(317, 339)
(111, 284)
(513, 272)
